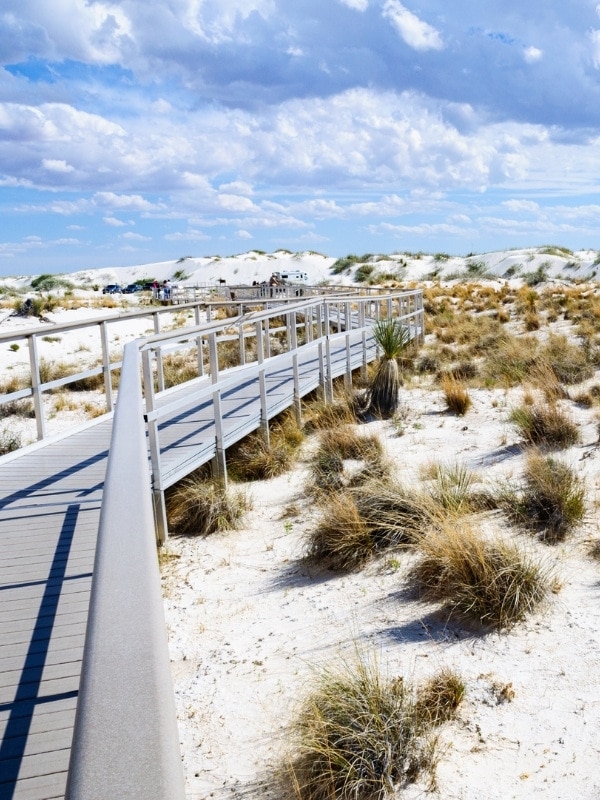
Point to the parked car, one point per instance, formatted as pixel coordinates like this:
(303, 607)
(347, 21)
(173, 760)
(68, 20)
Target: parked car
(112, 288)
(131, 288)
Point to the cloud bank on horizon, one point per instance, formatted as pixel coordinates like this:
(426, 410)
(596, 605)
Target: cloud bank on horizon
(134, 131)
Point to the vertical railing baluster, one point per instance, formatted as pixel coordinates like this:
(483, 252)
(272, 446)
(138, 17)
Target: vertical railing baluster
(106, 371)
(38, 403)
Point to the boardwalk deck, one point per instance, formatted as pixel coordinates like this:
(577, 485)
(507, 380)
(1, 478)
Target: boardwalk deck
(49, 510)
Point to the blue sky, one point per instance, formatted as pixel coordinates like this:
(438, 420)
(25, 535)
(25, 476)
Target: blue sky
(144, 130)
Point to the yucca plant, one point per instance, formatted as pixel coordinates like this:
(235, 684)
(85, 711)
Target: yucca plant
(391, 337)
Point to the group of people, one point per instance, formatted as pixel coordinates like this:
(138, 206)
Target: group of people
(161, 291)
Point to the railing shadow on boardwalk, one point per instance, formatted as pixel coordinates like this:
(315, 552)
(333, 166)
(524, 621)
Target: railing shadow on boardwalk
(27, 696)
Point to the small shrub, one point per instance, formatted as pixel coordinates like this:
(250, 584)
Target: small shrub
(14, 347)
(552, 498)
(569, 361)
(255, 459)
(440, 697)
(456, 394)
(200, 507)
(545, 425)
(361, 522)
(319, 414)
(452, 488)
(359, 737)
(9, 441)
(349, 443)
(180, 367)
(493, 583)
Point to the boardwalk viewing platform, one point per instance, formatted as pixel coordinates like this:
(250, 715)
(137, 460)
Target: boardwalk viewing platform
(64, 643)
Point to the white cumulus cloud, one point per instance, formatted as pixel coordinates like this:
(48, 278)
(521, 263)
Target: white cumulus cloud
(416, 33)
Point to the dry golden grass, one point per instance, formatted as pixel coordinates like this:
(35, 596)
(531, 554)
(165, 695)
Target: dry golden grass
(491, 582)
(254, 458)
(551, 501)
(545, 425)
(361, 736)
(456, 394)
(200, 506)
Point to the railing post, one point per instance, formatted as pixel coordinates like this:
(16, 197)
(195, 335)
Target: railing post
(213, 357)
(241, 343)
(158, 495)
(106, 365)
(364, 373)
(262, 387)
(322, 371)
(38, 405)
(219, 463)
(348, 375)
(328, 376)
(160, 375)
(297, 397)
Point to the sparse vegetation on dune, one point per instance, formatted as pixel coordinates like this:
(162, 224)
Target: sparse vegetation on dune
(492, 582)
(199, 506)
(551, 501)
(361, 735)
(545, 425)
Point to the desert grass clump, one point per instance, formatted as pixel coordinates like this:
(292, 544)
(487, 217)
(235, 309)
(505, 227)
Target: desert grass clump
(361, 522)
(256, 459)
(510, 360)
(341, 540)
(569, 360)
(180, 367)
(456, 394)
(552, 499)
(201, 506)
(545, 425)
(359, 737)
(493, 583)
(452, 488)
(439, 698)
(320, 414)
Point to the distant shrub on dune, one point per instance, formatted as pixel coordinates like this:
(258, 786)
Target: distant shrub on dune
(545, 424)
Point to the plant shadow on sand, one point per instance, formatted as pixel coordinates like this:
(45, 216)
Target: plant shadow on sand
(300, 574)
(434, 626)
(498, 456)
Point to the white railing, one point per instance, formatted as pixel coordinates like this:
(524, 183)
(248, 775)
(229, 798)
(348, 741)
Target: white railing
(328, 323)
(32, 336)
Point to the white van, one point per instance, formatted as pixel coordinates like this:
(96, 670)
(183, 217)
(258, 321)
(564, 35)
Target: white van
(292, 276)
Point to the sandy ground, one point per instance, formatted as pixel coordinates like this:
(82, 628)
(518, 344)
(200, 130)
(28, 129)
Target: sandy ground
(249, 624)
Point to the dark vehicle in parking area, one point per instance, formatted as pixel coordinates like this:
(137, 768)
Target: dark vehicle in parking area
(132, 288)
(112, 288)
